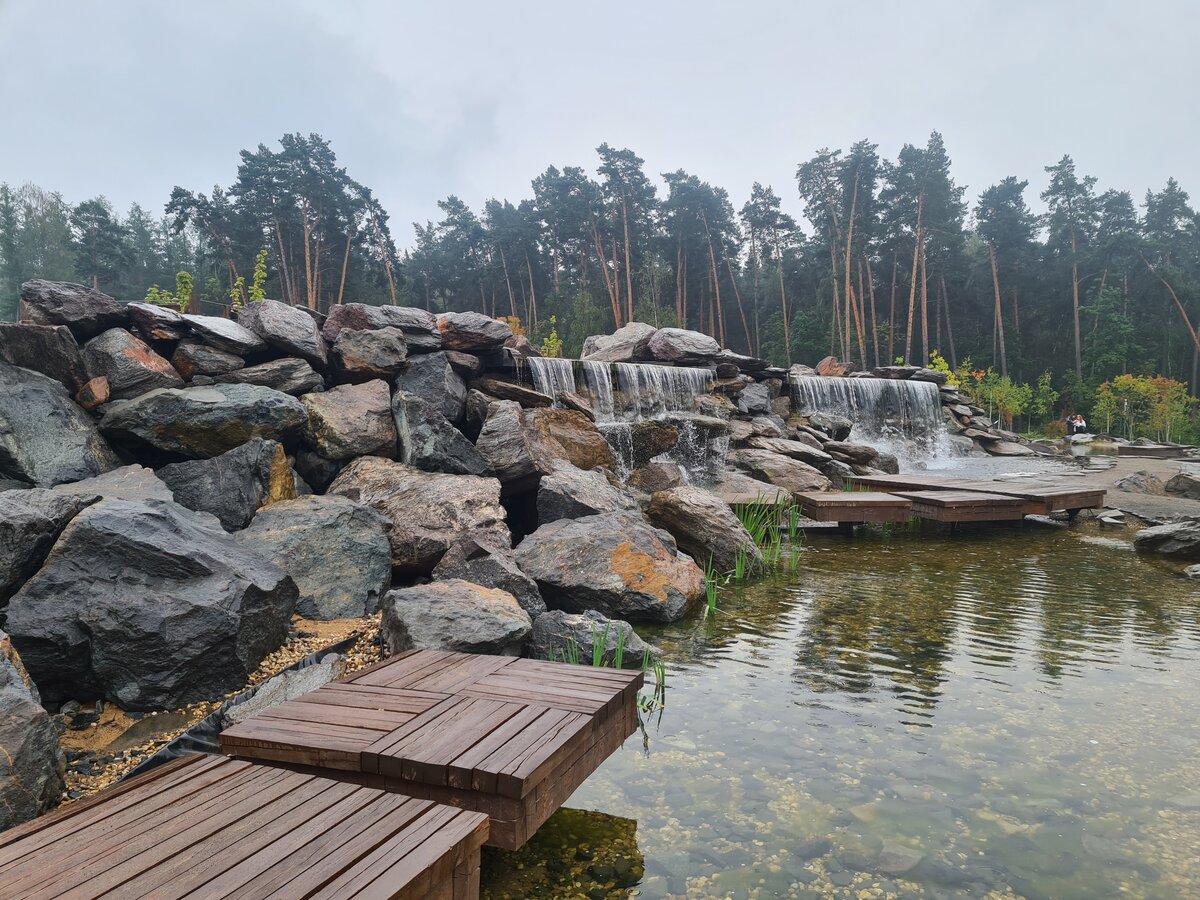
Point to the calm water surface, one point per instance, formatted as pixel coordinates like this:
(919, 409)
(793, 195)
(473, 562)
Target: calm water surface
(1009, 713)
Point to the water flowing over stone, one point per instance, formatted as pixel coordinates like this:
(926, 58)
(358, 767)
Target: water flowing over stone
(552, 376)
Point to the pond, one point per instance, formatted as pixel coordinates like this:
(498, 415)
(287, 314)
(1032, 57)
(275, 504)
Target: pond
(1008, 713)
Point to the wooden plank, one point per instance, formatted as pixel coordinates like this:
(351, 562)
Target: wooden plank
(819, 500)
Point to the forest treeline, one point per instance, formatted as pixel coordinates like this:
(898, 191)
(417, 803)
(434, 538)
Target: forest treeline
(895, 261)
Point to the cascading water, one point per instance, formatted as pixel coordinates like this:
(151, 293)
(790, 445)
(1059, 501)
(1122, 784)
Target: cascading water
(893, 415)
(552, 376)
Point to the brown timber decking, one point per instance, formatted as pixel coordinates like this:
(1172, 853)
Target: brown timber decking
(964, 506)
(512, 738)
(207, 826)
(1040, 497)
(854, 507)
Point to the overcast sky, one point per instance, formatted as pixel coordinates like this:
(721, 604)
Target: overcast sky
(128, 99)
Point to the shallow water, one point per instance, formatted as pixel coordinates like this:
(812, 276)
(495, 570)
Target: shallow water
(1009, 713)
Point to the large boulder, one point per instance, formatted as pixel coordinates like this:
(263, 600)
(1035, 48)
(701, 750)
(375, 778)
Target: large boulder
(802, 450)
(428, 441)
(511, 390)
(754, 399)
(130, 366)
(834, 427)
(49, 349)
(45, 439)
(234, 485)
(360, 355)
(336, 550)
(191, 359)
(704, 527)
(485, 563)
(85, 311)
(351, 420)
(629, 343)
(200, 422)
(656, 477)
(682, 345)
(737, 488)
(569, 434)
(564, 637)
(287, 328)
(30, 522)
(432, 378)
(429, 511)
(616, 563)
(832, 367)
(781, 471)
(32, 767)
(149, 605)
(1179, 540)
(225, 334)
(1141, 482)
(512, 449)
(1185, 484)
(472, 332)
(651, 438)
(156, 323)
(288, 376)
(572, 493)
(855, 454)
(126, 483)
(352, 317)
(454, 615)
(420, 327)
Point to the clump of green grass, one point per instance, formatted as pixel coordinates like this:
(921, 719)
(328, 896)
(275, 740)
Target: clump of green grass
(648, 701)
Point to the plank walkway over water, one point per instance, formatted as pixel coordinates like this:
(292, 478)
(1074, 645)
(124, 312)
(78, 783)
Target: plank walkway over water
(212, 827)
(512, 738)
(854, 507)
(1041, 497)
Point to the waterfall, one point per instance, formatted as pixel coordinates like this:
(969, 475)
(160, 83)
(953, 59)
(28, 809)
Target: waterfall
(552, 376)
(598, 377)
(654, 391)
(899, 416)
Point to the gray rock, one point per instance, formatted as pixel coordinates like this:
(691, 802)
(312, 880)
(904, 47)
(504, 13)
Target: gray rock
(351, 420)
(126, 483)
(801, 450)
(285, 328)
(225, 334)
(512, 448)
(856, 454)
(681, 345)
(336, 550)
(484, 563)
(629, 343)
(360, 355)
(655, 477)
(704, 527)
(316, 470)
(202, 422)
(49, 349)
(467, 365)
(615, 563)
(429, 442)
(754, 399)
(420, 327)
(32, 767)
(572, 493)
(743, 363)
(429, 511)
(781, 471)
(352, 317)
(130, 366)
(651, 438)
(30, 522)
(191, 359)
(896, 858)
(938, 378)
(1185, 484)
(454, 615)
(45, 439)
(156, 323)
(85, 311)
(560, 636)
(149, 605)
(511, 390)
(287, 685)
(433, 379)
(1179, 540)
(739, 488)
(836, 428)
(567, 434)
(888, 463)
(234, 485)
(288, 376)
(472, 332)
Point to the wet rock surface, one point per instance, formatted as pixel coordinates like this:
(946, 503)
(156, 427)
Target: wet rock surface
(286, 328)
(130, 366)
(486, 563)
(704, 527)
(30, 522)
(234, 485)
(454, 615)
(32, 766)
(351, 420)
(49, 349)
(85, 311)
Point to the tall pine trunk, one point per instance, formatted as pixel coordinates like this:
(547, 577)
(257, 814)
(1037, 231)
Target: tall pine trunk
(912, 286)
(999, 325)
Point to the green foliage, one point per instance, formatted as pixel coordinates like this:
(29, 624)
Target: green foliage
(258, 285)
(1043, 398)
(551, 344)
(938, 364)
(1144, 406)
(178, 300)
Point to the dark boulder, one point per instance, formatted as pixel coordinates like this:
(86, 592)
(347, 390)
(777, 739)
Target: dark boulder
(754, 400)
(361, 355)
(49, 349)
(472, 331)
(572, 493)
(234, 485)
(352, 317)
(201, 422)
(32, 767)
(156, 323)
(351, 420)
(467, 365)
(781, 471)
(682, 345)
(126, 483)
(225, 334)
(1185, 484)
(286, 328)
(30, 522)
(428, 441)
(420, 327)
(629, 343)
(1178, 540)
(490, 565)
(316, 470)
(651, 438)
(704, 527)
(739, 488)
(570, 435)
(45, 439)
(429, 511)
(855, 454)
(336, 550)
(562, 637)
(288, 376)
(128, 363)
(835, 427)
(615, 563)
(192, 359)
(510, 390)
(454, 615)
(85, 311)
(512, 449)
(801, 450)
(149, 605)
(654, 477)
(433, 379)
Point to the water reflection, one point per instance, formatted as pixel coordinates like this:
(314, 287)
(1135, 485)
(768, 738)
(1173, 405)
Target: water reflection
(1010, 713)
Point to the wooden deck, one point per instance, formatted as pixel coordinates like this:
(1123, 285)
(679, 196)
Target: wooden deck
(954, 507)
(207, 826)
(854, 507)
(512, 738)
(1040, 497)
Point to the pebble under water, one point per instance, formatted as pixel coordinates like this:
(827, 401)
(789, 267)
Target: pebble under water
(1011, 712)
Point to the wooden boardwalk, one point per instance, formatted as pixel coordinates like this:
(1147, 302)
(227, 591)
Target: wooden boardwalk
(854, 507)
(207, 826)
(954, 507)
(1040, 497)
(512, 738)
